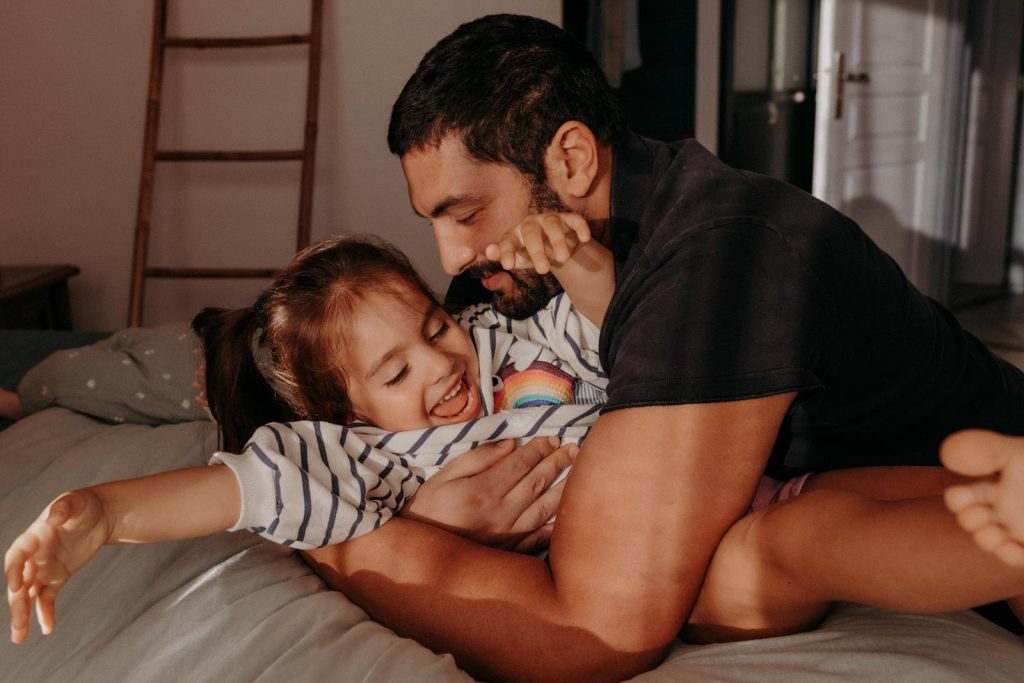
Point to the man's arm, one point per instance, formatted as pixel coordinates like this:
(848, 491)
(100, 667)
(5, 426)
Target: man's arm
(651, 495)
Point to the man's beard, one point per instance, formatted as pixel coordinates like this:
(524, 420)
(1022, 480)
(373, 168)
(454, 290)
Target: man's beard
(530, 291)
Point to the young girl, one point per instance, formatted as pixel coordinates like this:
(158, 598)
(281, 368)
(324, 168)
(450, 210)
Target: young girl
(350, 334)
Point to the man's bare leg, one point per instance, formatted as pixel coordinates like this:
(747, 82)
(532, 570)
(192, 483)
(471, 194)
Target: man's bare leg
(778, 570)
(992, 506)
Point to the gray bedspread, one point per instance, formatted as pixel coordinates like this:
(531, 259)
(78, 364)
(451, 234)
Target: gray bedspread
(232, 607)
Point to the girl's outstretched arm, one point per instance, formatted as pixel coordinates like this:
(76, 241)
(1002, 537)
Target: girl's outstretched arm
(172, 505)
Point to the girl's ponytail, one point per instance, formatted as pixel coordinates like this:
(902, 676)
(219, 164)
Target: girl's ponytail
(240, 398)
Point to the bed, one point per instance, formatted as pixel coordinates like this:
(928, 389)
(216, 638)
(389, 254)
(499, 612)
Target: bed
(233, 607)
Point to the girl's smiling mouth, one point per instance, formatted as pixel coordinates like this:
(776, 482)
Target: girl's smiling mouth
(459, 404)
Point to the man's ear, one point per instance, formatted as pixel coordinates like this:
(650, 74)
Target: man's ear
(572, 160)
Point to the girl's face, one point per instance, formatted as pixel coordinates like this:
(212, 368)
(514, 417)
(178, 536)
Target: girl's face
(409, 365)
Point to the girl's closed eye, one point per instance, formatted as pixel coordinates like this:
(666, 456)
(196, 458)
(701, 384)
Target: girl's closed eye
(399, 377)
(441, 331)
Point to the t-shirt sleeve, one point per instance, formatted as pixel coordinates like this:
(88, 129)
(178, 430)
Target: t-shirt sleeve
(717, 314)
(311, 484)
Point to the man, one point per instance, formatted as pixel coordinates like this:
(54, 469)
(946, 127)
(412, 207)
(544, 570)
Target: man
(752, 327)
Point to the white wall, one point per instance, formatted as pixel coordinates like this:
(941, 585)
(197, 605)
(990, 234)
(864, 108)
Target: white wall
(72, 102)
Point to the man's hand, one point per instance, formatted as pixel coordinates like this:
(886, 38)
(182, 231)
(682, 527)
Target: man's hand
(540, 240)
(497, 496)
(42, 559)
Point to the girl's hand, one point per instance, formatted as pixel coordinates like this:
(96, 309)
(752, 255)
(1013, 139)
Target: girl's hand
(495, 495)
(540, 242)
(41, 560)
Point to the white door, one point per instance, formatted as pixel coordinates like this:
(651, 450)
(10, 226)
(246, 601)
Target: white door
(882, 153)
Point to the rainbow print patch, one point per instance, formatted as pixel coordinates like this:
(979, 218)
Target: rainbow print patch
(541, 384)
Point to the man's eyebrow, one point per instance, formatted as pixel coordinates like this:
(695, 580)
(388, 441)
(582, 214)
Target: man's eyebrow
(449, 202)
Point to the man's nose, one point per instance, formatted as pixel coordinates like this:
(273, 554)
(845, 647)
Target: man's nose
(455, 250)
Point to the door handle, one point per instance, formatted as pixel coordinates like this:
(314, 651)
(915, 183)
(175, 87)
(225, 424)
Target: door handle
(841, 77)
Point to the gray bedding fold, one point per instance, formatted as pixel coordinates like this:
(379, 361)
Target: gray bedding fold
(232, 607)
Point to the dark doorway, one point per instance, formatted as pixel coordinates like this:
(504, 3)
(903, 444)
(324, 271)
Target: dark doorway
(769, 50)
(647, 49)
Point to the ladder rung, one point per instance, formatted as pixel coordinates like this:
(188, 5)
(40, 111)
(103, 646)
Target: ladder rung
(217, 273)
(263, 155)
(256, 41)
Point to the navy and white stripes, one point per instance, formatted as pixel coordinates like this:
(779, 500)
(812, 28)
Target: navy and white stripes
(310, 484)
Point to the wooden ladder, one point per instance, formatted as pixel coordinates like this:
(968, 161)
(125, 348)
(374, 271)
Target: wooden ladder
(150, 154)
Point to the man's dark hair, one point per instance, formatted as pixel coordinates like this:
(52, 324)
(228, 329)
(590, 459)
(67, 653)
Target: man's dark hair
(504, 84)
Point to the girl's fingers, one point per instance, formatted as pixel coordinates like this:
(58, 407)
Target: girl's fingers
(507, 253)
(50, 573)
(14, 567)
(539, 240)
(492, 252)
(19, 605)
(532, 237)
(503, 251)
(555, 233)
(17, 560)
(45, 608)
(579, 225)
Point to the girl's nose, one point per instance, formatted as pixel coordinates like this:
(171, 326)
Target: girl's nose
(441, 364)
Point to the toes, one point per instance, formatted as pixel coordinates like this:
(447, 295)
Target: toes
(977, 452)
(975, 517)
(990, 537)
(1011, 553)
(962, 496)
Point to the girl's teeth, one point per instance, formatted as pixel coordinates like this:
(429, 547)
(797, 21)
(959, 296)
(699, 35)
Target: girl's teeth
(451, 394)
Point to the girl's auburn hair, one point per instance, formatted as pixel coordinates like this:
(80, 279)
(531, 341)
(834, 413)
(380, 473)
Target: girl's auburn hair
(301, 319)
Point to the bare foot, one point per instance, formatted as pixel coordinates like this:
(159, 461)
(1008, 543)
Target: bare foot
(10, 405)
(992, 509)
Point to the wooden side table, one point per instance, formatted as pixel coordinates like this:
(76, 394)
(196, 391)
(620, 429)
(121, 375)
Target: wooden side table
(35, 297)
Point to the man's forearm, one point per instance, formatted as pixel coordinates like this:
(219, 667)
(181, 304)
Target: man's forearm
(639, 521)
(498, 613)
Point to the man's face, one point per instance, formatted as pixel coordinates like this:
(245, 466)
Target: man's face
(471, 204)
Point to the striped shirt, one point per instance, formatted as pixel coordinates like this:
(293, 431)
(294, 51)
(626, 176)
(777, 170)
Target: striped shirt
(309, 484)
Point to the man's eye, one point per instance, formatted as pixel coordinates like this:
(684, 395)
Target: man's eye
(441, 331)
(399, 377)
(467, 219)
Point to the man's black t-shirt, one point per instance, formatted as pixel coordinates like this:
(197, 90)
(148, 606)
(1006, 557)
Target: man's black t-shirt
(732, 285)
